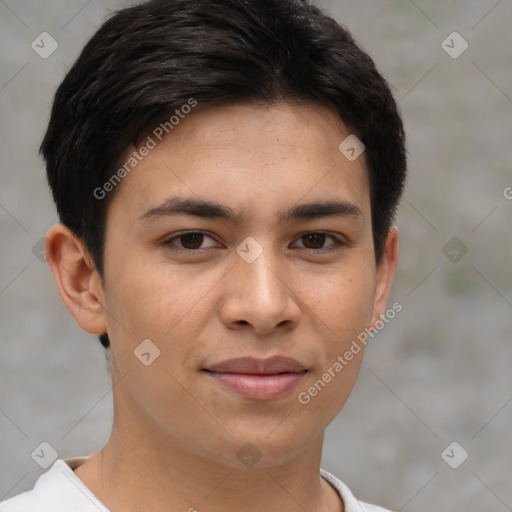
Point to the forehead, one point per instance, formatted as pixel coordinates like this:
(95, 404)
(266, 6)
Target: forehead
(244, 154)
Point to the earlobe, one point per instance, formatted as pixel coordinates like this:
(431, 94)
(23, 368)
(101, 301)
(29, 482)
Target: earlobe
(78, 281)
(385, 274)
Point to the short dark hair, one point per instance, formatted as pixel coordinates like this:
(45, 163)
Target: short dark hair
(148, 60)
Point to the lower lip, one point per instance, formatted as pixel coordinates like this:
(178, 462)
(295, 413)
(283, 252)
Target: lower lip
(259, 387)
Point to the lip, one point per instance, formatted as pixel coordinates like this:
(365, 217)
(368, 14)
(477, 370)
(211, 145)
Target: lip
(255, 366)
(258, 379)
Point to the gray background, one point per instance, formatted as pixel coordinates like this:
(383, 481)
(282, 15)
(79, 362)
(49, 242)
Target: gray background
(439, 372)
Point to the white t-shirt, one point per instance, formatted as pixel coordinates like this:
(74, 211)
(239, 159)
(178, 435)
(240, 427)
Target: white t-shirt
(60, 490)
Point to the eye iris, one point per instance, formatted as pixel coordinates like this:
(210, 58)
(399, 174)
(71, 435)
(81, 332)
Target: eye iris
(195, 239)
(318, 240)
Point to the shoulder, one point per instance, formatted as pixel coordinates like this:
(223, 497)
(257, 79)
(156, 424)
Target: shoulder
(22, 502)
(57, 490)
(349, 500)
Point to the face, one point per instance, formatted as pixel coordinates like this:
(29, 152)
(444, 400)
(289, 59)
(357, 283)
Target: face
(260, 273)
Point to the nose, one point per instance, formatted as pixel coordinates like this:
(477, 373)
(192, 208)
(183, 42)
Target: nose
(260, 295)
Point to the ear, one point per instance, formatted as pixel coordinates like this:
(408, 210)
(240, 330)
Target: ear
(385, 273)
(77, 279)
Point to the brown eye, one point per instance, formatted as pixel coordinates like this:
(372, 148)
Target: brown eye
(191, 240)
(314, 240)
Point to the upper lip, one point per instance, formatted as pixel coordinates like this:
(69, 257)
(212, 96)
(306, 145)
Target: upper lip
(255, 366)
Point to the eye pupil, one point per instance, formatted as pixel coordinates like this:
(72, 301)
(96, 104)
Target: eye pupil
(318, 240)
(197, 239)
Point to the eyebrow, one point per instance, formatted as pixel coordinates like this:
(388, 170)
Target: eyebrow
(213, 210)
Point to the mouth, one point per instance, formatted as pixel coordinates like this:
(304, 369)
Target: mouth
(258, 379)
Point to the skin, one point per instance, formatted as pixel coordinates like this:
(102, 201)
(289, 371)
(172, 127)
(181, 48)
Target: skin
(176, 433)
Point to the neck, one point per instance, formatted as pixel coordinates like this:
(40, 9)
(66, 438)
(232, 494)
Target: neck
(175, 479)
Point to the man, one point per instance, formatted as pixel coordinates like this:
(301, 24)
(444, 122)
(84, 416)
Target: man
(226, 174)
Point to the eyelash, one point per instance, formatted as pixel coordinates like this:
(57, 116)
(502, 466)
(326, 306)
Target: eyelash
(168, 243)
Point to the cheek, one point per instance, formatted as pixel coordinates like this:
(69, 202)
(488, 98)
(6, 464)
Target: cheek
(169, 308)
(343, 302)
(342, 311)
(342, 308)
(150, 300)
